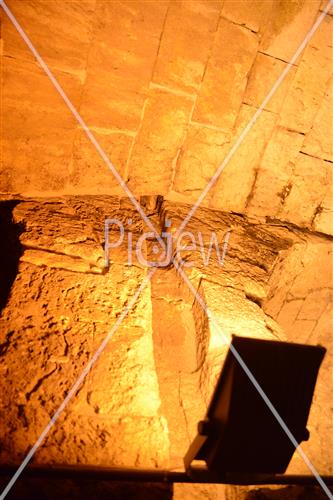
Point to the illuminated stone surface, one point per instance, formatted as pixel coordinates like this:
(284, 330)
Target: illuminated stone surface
(142, 400)
(166, 88)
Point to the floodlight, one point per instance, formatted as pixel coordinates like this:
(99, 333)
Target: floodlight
(240, 434)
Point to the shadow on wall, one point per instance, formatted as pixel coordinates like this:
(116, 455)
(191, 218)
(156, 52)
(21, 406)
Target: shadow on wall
(10, 249)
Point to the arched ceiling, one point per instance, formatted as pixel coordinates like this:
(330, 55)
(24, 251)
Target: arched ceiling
(167, 88)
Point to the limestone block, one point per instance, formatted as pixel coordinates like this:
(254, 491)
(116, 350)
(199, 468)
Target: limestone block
(229, 312)
(264, 73)
(275, 171)
(225, 79)
(289, 313)
(309, 84)
(110, 107)
(249, 13)
(134, 19)
(247, 260)
(61, 36)
(309, 183)
(318, 142)
(125, 44)
(89, 173)
(38, 133)
(117, 442)
(315, 304)
(301, 270)
(233, 188)
(184, 491)
(56, 319)
(201, 154)
(120, 63)
(55, 236)
(321, 413)
(287, 26)
(158, 141)
(317, 272)
(185, 44)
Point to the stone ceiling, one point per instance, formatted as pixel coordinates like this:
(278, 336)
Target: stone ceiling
(166, 88)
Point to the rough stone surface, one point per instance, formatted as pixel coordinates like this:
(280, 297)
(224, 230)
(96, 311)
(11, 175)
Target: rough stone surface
(61, 307)
(167, 88)
(225, 79)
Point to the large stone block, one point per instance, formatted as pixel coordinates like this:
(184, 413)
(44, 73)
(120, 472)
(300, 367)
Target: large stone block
(252, 14)
(185, 44)
(61, 36)
(89, 173)
(308, 186)
(233, 188)
(319, 141)
(56, 319)
(120, 63)
(201, 154)
(110, 106)
(38, 133)
(309, 84)
(286, 27)
(275, 171)
(263, 75)
(228, 312)
(157, 144)
(226, 75)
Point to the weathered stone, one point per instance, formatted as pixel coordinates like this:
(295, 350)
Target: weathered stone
(89, 173)
(225, 79)
(289, 313)
(201, 154)
(155, 149)
(61, 36)
(318, 142)
(110, 107)
(38, 134)
(229, 312)
(249, 13)
(273, 181)
(323, 221)
(72, 311)
(264, 73)
(308, 187)
(315, 304)
(233, 188)
(125, 45)
(309, 84)
(286, 27)
(185, 44)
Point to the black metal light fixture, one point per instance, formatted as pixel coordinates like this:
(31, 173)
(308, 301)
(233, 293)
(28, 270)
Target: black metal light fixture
(240, 435)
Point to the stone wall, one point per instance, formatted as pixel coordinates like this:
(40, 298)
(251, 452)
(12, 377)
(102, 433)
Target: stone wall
(166, 88)
(140, 404)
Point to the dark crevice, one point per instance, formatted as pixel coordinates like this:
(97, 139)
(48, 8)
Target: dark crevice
(10, 249)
